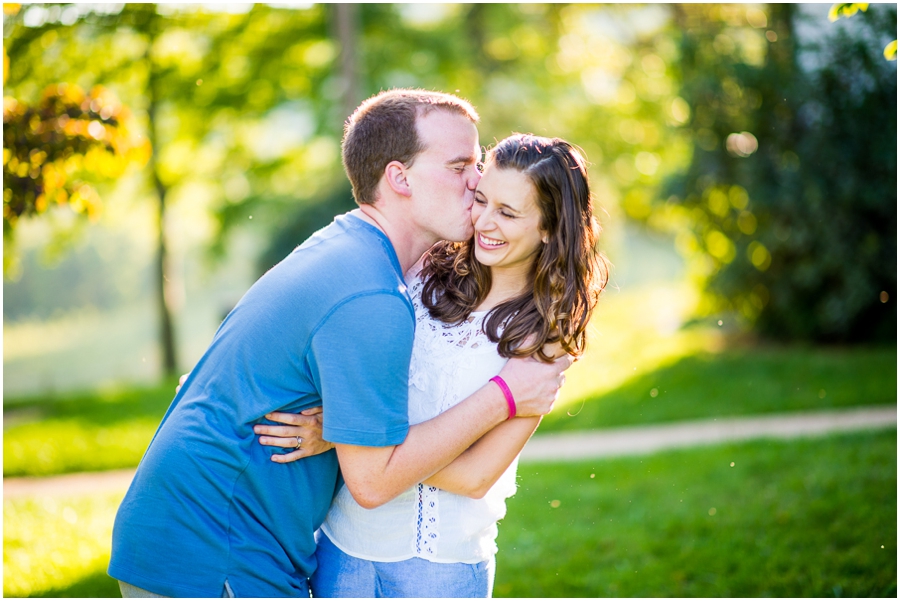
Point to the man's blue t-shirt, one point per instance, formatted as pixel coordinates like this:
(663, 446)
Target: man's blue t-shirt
(330, 325)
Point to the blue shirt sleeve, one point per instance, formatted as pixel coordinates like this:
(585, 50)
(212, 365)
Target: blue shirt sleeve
(359, 359)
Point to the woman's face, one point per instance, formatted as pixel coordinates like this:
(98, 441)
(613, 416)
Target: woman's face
(507, 220)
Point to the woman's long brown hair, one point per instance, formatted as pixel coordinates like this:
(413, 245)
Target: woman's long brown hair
(568, 272)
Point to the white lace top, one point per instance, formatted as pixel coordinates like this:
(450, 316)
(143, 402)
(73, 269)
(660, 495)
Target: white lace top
(449, 363)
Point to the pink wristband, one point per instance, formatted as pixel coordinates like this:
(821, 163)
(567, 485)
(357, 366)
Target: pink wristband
(507, 394)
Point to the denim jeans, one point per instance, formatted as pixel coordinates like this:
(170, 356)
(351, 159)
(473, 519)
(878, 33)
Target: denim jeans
(342, 575)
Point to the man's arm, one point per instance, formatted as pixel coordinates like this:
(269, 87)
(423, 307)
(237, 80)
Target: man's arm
(375, 475)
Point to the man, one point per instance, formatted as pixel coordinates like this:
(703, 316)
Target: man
(209, 514)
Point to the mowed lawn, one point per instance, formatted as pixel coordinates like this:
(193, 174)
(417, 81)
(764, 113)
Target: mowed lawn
(803, 518)
(745, 380)
(111, 429)
(809, 517)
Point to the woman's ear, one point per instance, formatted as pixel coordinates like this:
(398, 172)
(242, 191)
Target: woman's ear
(395, 176)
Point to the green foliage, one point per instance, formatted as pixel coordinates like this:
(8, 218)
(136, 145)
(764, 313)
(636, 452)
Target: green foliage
(302, 222)
(846, 9)
(740, 382)
(54, 149)
(245, 109)
(781, 179)
(550, 69)
(806, 518)
(82, 432)
(789, 206)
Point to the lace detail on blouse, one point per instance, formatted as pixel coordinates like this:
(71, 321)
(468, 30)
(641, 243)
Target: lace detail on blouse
(435, 363)
(427, 532)
(449, 362)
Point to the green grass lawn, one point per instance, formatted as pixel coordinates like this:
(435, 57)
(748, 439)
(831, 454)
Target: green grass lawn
(803, 518)
(748, 380)
(58, 547)
(111, 429)
(88, 431)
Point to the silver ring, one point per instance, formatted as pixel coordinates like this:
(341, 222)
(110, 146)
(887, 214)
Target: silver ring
(299, 442)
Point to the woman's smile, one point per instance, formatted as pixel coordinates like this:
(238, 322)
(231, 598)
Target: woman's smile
(489, 243)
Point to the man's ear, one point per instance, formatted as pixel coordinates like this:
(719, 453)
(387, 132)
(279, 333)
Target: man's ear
(395, 176)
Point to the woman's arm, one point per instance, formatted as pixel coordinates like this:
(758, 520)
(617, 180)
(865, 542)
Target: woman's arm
(471, 474)
(303, 434)
(474, 472)
(479, 467)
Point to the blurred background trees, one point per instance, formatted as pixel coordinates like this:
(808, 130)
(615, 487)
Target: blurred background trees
(791, 191)
(762, 138)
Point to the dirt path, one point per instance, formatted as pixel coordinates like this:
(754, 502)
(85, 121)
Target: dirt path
(564, 447)
(653, 438)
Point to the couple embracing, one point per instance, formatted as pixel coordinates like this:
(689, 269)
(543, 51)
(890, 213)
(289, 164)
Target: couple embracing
(432, 326)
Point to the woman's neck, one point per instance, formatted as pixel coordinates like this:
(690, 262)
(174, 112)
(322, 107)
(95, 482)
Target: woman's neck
(505, 285)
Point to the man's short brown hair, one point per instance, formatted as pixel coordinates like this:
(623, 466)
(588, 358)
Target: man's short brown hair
(383, 129)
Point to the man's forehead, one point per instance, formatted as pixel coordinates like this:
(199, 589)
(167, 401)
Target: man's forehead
(440, 126)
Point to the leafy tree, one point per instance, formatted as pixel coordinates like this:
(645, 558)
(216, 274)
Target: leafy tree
(244, 110)
(789, 203)
(603, 77)
(848, 9)
(54, 149)
(204, 87)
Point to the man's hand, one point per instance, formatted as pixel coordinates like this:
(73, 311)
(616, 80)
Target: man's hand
(303, 433)
(534, 384)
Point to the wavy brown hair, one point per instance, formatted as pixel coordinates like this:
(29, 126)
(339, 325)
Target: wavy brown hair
(567, 275)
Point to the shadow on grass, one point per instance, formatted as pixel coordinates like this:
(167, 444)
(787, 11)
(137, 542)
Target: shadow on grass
(97, 585)
(744, 381)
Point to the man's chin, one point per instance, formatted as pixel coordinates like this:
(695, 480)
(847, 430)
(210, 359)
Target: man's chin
(463, 236)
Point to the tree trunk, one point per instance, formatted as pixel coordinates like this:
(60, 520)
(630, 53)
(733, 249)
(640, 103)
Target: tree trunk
(345, 31)
(161, 266)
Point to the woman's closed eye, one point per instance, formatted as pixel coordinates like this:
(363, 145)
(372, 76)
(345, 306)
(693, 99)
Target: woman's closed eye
(483, 203)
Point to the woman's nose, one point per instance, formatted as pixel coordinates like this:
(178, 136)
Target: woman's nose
(482, 221)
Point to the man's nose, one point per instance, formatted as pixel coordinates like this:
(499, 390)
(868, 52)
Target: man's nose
(474, 179)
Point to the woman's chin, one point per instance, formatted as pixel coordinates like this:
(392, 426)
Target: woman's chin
(481, 256)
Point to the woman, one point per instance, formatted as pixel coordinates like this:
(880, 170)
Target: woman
(524, 285)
